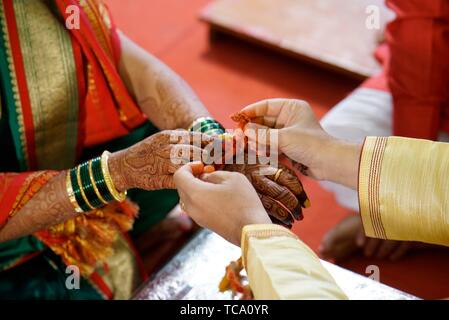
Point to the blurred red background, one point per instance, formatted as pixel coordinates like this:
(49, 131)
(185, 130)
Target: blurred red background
(229, 74)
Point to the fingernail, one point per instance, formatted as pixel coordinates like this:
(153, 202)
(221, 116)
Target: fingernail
(307, 203)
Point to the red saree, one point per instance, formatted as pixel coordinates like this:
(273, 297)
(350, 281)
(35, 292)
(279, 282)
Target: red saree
(63, 92)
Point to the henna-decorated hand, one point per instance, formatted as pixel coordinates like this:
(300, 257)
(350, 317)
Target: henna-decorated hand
(283, 199)
(150, 163)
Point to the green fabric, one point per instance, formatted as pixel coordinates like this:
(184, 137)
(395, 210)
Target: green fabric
(43, 277)
(12, 251)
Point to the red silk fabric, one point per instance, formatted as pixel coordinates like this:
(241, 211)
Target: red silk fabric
(416, 67)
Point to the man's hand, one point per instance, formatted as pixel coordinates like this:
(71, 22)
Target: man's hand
(302, 139)
(222, 201)
(348, 237)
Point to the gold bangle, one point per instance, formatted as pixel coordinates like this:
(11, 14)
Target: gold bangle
(92, 180)
(119, 196)
(78, 177)
(71, 194)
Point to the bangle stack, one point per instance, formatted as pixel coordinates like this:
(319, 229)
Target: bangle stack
(90, 185)
(208, 126)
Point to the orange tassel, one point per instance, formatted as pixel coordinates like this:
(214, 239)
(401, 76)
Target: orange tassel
(87, 240)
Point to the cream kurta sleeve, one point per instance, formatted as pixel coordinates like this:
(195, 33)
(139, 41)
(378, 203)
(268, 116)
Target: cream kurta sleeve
(280, 266)
(404, 189)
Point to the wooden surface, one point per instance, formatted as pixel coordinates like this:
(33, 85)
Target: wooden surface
(332, 33)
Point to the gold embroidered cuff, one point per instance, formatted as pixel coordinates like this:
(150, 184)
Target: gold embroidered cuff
(262, 231)
(403, 189)
(369, 185)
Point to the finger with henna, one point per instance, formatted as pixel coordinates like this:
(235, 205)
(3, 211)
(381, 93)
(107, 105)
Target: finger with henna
(277, 210)
(272, 189)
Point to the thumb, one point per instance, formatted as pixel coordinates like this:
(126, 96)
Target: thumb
(185, 177)
(217, 177)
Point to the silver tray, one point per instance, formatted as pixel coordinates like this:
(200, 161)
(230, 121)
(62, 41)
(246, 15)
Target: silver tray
(195, 272)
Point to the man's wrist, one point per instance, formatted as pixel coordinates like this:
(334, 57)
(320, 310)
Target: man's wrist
(256, 216)
(340, 162)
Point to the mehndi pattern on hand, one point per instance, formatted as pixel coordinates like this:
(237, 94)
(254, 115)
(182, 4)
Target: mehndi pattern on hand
(280, 191)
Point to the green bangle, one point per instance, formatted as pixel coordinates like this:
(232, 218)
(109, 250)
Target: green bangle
(208, 127)
(88, 187)
(99, 180)
(219, 125)
(214, 132)
(77, 191)
(200, 123)
(200, 126)
(94, 185)
(80, 184)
